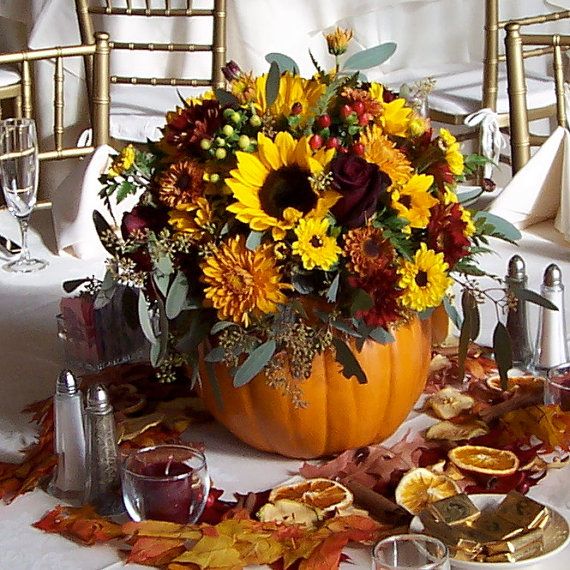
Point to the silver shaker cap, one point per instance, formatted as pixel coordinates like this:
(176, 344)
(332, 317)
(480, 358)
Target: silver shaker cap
(66, 383)
(552, 276)
(516, 268)
(98, 399)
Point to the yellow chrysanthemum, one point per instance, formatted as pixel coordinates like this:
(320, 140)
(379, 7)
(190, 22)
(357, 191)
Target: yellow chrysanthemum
(122, 162)
(424, 280)
(466, 217)
(315, 247)
(453, 155)
(337, 41)
(242, 284)
(450, 196)
(396, 116)
(292, 90)
(272, 185)
(206, 95)
(192, 218)
(380, 150)
(413, 201)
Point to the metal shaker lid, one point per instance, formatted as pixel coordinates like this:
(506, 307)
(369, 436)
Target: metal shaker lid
(66, 383)
(516, 268)
(98, 399)
(552, 276)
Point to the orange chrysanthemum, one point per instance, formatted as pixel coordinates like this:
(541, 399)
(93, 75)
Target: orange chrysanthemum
(181, 183)
(367, 250)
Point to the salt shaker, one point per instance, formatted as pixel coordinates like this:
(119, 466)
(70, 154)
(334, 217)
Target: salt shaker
(517, 321)
(68, 481)
(551, 348)
(103, 479)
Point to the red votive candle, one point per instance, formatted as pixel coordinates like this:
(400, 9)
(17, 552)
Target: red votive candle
(165, 482)
(558, 387)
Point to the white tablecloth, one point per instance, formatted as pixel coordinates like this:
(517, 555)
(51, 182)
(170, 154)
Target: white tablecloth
(31, 360)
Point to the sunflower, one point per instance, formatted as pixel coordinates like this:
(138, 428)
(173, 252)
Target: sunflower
(272, 186)
(122, 162)
(367, 250)
(181, 182)
(243, 284)
(396, 116)
(293, 90)
(193, 218)
(452, 151)
(423, 279)
(381, 151)
(315, 247)
(413, 200)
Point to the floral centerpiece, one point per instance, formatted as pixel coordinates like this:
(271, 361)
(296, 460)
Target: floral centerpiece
(287, 218)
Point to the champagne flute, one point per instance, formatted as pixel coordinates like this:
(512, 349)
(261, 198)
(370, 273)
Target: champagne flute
(19, 167)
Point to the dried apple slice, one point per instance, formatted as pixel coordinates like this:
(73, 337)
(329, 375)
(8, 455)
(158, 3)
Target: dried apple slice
(449, 403)
(457, 432)
(291, 512)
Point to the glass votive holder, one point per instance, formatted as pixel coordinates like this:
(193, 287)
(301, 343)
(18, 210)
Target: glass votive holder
(407, 551)
(165, 482)
(557, 389)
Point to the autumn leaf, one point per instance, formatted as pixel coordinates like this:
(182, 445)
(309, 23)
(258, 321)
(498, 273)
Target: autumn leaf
(161, 529)
(260, 551)
(327, 554)
(155, 551)
(210, 552)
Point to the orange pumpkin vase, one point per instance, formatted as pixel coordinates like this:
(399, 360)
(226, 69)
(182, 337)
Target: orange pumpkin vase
(340, 413)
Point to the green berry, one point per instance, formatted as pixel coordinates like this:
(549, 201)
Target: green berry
(228, 130)
(244, 142)
(205, 144)
(220, 141)
(228, 113)
(221, 153)
(215, 178)
(235, 117)
(255, 121)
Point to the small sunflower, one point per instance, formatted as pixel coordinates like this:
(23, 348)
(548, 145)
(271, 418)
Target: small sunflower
(413, 200)
(452, 151)
(424, 280)
(396, 116)
(273, 188)
(367, 250)
(193, 218)
(383, 152)
(122, 162)
(181, 183)
(315, 247)
(242, 284)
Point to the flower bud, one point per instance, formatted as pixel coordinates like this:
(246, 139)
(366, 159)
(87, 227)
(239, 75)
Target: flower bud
(220, 154)
(231, 71)
(337, 41)
(255, 121)
(244, 142)
(205, 144)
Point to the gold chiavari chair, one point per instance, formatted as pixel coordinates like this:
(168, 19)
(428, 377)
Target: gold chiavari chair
(11, 90)
(60, 148)
(520, 115)
(154, 10)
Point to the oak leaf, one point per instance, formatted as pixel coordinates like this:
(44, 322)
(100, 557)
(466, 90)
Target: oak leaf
(155, 551)
(212, 552)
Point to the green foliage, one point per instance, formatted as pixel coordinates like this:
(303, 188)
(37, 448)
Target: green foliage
(371, 57)
(284, 62)
(349, 365)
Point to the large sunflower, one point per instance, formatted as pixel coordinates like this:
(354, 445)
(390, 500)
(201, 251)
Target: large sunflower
(243, 284)
(423, 279)
(315, 247)
(413, 200)
(272, 185)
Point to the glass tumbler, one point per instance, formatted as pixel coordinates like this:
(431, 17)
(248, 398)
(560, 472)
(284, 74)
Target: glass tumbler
(407, 551)
(557, 389)
(165, 482)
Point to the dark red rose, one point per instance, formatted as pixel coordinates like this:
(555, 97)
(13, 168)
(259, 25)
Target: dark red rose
(362, 186)
(141, 218)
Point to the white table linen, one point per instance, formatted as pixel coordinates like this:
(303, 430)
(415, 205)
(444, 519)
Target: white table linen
(31, 360)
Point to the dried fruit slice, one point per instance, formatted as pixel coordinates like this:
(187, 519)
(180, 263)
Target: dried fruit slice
(457, 432)
(526, 381)
(420, 487)
(486, 460)
(319, 493)
(289, 511)
(449, 402)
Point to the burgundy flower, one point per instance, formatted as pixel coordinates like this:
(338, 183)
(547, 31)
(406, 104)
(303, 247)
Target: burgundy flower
(141, 218)
(362, 186)
(446, 233)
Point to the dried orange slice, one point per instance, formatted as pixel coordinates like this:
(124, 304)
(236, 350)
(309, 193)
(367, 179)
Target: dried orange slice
(486, 460)
(526, 381)
(319, 493)
(420, 487)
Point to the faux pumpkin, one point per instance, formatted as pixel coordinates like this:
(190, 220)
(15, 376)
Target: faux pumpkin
(341, 413)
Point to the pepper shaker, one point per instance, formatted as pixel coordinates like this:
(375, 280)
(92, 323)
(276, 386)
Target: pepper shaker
(551, 347)
(68, 481)
(103, 480)
(517, 321)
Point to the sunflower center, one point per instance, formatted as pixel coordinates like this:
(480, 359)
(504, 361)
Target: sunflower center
(421, 278)
(184, 181)
(287, 187)
(316, 241)
(406, 201)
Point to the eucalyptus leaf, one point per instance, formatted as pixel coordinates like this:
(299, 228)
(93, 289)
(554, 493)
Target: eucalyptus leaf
(452, 312)
(284, 62)
(426, 314)
(361, 301)
(220, 326)
(344, 327)
(102, 228)
(254, 363)
(381, 335)
(225, 98)
(333, 289)
(72, 284)
(349, 365)
(464, 340)
(253, 240)
(527, 295)
(217, 354)
(106, 292)
(469, 196)
(177, 295)
(500, 227)
(215, 384)
(145, 319)
(469, 305)
(162, 281)
(272, 84)
(370, 57)
(502, 347)
(156, 354)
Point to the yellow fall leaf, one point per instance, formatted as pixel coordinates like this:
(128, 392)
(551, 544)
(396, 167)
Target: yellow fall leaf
(212, 552)
(260, 551)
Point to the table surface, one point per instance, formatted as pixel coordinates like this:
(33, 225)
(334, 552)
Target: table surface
(32, 359)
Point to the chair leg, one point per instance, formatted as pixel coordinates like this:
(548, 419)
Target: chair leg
(18, 106)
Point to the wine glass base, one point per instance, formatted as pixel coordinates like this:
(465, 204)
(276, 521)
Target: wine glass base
(25, 266)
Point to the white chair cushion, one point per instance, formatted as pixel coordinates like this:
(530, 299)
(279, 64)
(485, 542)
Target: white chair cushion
(135, 128)
(8, 77)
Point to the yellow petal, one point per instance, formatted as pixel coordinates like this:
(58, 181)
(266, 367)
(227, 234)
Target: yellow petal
(286, 145)
(251, 168)
(269, 153)
(244, 193)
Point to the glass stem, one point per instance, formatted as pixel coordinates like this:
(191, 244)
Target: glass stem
(25, 255)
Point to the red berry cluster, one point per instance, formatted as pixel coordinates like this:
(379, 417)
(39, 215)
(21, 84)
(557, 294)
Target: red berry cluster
(339, 132)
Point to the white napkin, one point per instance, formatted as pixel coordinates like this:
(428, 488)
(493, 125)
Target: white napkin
(75, 200)
(541, 189)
